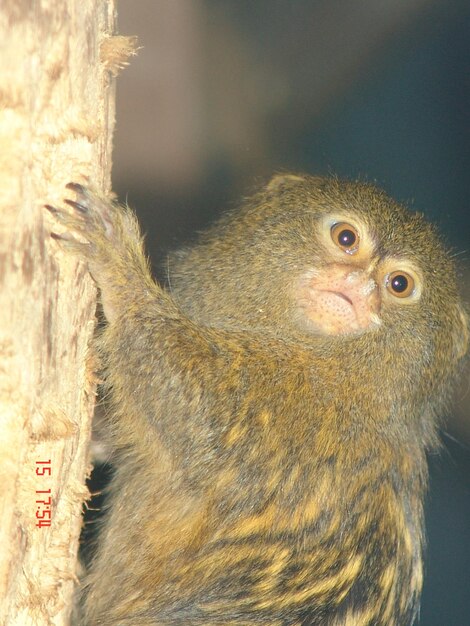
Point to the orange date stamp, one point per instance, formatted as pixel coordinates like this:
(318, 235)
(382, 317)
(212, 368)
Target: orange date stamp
(43, 496)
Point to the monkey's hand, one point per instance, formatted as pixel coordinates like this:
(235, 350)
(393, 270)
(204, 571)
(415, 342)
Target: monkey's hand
(108, 238)
(146, 335)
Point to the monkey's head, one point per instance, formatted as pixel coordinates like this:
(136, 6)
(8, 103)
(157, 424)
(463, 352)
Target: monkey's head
(322, 260)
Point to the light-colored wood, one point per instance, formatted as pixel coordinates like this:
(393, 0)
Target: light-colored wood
(56, 123)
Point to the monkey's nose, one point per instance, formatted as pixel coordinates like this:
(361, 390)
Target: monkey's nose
(360, 280)
(363, 291)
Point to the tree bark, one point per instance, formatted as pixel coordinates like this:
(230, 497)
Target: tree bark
(56, 123)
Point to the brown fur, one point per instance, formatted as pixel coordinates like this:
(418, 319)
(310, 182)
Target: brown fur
(266, 473)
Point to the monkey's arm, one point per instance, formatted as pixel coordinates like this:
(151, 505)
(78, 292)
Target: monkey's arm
(169, 378)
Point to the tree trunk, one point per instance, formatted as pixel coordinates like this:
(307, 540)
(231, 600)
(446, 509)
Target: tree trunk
(57, 61)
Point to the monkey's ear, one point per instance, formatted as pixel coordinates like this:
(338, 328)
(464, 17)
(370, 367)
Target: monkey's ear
(283, 180)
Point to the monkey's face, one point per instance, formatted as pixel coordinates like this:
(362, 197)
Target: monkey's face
(346, 291)
(370, 267)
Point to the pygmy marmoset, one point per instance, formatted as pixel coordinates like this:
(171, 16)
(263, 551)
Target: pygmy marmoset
(270, 409)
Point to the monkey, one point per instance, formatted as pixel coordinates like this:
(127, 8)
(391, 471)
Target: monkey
(270, 408)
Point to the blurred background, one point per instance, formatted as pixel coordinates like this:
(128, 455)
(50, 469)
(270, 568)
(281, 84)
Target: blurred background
(224, 92)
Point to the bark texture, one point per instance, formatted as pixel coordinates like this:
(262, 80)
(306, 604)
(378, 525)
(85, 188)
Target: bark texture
(57, 62)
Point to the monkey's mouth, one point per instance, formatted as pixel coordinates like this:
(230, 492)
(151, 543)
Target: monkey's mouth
(334, 310)
(343, 296)
(338, 301)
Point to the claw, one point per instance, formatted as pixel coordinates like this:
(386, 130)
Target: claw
(75, 187)
(65, 240)
(62, 237)
(51, 209)
(76, 205)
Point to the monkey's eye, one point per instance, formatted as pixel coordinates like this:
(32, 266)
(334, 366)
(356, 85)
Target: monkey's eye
(345, 237)
(400, 284)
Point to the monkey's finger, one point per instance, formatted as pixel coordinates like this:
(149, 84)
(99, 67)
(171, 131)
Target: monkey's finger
(77, 206)
(73, 221)
(86, 201)
(97, 209)
(69, 243)
(79, 189)
(51, 209)
(88, 219)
